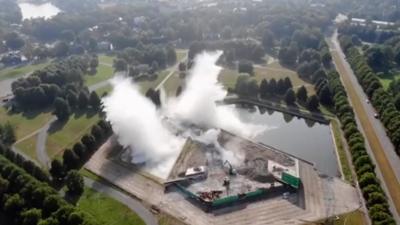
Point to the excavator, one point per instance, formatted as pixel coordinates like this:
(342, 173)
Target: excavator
(232, 171)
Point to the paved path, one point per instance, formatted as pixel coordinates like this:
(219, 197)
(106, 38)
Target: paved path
(377, 140)
(41, 152)
(173, 70)
(123, 198)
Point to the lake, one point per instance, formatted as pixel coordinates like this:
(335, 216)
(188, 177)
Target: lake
(31, 11)
(307, 140)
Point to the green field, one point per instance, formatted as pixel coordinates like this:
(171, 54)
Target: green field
(353, 218)
(64, 136)
(104, 72)
(180, 54)
(20, 71)
(107, 211)
(274, 70)
(106, 59)
(25, 123)
(385, 80)
(28, 147)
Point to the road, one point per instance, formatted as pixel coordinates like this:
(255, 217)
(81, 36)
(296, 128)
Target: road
(123, 198)
(378, 144)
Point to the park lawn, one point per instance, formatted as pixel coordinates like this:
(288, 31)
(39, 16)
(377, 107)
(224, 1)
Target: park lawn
(146, 84)
(353, 218)
(180, 54)
(70, 133)
(172, 84)
(385, 80)
(20, 71)
(228, 76)
(104, 72)
(106, 211)
(28, 147)
(106, 89)
(106, 59)
(25, 123)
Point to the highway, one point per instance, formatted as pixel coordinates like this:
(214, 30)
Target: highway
(377, 142)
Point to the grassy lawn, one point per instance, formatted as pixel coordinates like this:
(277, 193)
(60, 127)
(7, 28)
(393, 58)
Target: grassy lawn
(146, 84)
(20, 71)
(172, 84)
(274, 70)
(385, 80)
(344, 162)
(28, 147)
(25, 123)
(103, 90)
(64, 136)
(106, 59)
(103, 73)
(180, 54)
(353, 218)
(107, 211)
(372, 138)
(168, 220)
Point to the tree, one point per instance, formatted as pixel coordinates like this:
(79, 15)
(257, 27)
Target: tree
(49, 221)
(80, 150)
(31, 216)
(70, 159)
(325, 95)
(288, 55)
(14, 41)
(89, 142)
(367, 179)
(61, 109)
(171, 55)
(51, 204)
(74, 182)
(290, 97)
(120, 64)
(302, 94)
(3, 186)
(263, 88)
(94, 100)
(246, 67)
(14, 205)
(83, 100)
(97, 133)
(60, 49)
(57, 169)
(182, 66)
(7, 134)
(268, 40)
(313, 103)
(94, 62)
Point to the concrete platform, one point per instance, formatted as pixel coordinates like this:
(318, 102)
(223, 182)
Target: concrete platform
(321, 196)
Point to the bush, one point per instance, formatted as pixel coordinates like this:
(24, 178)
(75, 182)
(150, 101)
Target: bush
(74, 182)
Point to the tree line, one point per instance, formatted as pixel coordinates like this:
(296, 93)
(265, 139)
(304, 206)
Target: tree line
(382, 101)
(81, 151)
(375, 198)
(26, 200)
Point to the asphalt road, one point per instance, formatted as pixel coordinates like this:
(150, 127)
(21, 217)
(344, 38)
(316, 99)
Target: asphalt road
(377, 126)
(125, 199)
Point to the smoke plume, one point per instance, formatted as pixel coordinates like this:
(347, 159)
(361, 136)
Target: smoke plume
(140, 126)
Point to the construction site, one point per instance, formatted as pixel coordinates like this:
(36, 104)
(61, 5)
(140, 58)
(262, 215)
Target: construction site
(267, 186)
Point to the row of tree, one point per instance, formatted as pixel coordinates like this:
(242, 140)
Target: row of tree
(82, 150)
(7, 133)
(25, 200)
(380, 98)
(31, 168)
(375, 198)
(43, 86)
(63, 107)
(248, 87)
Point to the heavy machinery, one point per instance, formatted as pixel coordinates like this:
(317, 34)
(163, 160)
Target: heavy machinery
(231, 170)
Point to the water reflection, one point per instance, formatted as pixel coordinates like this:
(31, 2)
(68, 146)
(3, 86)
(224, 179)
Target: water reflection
(306, 139)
